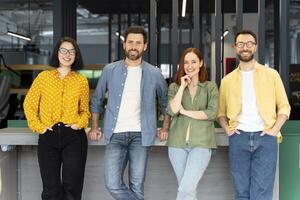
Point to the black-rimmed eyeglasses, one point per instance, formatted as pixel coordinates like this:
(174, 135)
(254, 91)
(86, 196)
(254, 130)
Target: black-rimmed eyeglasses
(248, 44)
(64, 51)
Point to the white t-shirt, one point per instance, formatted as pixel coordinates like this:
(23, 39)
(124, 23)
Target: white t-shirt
(129, 118)
(249, 118)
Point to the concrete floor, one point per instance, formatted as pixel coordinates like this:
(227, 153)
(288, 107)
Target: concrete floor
(160, 182)
(215, 184)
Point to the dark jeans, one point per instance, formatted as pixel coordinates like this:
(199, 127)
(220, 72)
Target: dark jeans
(253, 165)
(126, 148)
(62, 156)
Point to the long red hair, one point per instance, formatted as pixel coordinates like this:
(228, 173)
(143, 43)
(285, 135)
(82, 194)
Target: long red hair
(180, 72)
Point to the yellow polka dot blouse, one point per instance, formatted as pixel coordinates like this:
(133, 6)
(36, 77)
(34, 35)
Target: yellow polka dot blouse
(51, 99)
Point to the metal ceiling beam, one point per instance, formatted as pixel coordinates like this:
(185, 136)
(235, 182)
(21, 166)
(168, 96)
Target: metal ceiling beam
(284, 62)
(261, 31)
(64, 19)
(218, 33)
(239, 15)
(196, 30)
(153, 35)
(174, 37)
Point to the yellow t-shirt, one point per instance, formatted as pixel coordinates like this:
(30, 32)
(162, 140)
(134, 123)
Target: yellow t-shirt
(51, 99)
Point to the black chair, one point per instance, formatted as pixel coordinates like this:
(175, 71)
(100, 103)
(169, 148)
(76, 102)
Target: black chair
(5, 83)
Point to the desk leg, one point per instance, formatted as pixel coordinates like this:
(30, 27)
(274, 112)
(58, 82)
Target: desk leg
(276, 184)
(19, 172)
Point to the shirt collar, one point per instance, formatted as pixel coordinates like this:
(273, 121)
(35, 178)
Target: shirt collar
(256, 67)
(71, 73)
(124, 65)
(201, 84)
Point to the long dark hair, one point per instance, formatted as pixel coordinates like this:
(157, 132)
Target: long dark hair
(78, 62)
(180, 73)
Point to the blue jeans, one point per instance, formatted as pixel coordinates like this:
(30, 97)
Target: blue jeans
(253, 161)
(189, 165)
(126, 148)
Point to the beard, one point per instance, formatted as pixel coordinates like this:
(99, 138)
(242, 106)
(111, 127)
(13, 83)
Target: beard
(133, 56)
(245, 59)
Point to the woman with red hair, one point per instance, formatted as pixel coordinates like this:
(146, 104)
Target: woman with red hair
(193, 105)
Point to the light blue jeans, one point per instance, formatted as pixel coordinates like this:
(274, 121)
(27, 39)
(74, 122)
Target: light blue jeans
(189, 165)
(125, 148)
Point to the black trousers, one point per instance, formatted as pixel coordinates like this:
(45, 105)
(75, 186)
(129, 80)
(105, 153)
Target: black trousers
(62, 156)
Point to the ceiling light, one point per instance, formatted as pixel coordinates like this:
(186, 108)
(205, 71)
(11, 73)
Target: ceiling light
(121, 37)
(18, 35)
(183, 8)
(224, 34)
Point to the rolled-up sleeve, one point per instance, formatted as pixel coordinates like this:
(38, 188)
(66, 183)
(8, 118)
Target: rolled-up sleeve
(162, 93)
(173, 88)
(282, 103)
(97, 101)
(222, 100)
(212, 104)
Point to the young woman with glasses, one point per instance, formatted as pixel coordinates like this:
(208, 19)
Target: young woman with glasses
(57, 108)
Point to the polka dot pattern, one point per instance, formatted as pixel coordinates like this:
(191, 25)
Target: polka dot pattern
(51, 100)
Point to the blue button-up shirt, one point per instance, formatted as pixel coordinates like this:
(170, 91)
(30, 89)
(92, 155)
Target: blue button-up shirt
(112, 81)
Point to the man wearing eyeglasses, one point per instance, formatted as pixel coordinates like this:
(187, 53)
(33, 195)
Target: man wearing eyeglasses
(253, 107)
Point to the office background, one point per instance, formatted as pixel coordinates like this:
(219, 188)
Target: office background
(172, 26)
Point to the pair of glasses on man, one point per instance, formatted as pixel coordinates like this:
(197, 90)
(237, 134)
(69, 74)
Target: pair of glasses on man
(248, 44)
(64, 51)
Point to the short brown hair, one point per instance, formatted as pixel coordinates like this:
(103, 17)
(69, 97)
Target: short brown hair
(136, 30)
(180, 73)
(245, 32)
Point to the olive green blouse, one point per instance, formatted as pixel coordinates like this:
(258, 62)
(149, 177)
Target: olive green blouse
(201, 132)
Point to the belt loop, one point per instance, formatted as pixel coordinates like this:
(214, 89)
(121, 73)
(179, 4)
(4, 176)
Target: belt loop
(59, 124)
